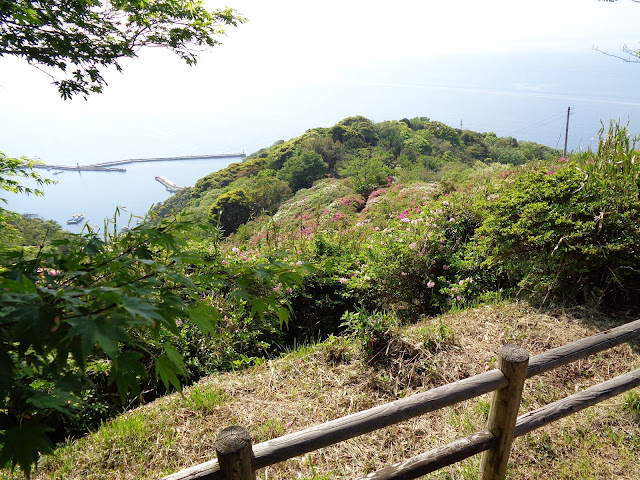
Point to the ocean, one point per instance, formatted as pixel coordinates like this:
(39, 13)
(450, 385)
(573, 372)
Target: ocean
(98, 194)
(524, 96)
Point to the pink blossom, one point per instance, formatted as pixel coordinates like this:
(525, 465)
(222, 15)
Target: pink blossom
(244, 259)
(53, 272)
(445, 267)
(461, 282)
(446, 202)
(224, 262)
(413, 246)
(404, 274)
(299, 262)
(342, 280)
(289, 290)
(405, 220)
(235, 249)
(458, 298)
(431, 284)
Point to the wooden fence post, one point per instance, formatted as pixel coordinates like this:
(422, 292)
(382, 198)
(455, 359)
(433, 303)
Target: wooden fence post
(512, 362)
(234, 452)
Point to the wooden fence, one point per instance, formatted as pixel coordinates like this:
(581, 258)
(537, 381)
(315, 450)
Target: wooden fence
(238, 459)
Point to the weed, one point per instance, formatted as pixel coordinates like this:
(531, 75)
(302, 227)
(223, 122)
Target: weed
(204, 399)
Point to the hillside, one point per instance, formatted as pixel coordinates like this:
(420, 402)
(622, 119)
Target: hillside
(315, 384)
(413, 249)
(357, 149)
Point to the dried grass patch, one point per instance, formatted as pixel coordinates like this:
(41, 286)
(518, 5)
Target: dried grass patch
(334, 380)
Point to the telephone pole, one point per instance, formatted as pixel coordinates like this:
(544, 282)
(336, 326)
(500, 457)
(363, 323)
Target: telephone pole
(566, 133)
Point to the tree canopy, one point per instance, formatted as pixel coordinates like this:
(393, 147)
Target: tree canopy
(83, 37)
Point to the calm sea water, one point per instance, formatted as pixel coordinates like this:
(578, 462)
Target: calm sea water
(521, 96)
(98, 194)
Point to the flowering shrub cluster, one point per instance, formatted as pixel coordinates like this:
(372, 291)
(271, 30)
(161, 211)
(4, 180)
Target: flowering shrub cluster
(537, 230)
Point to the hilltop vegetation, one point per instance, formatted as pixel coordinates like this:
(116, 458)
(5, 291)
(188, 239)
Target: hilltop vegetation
(357, 149)
(343, 230)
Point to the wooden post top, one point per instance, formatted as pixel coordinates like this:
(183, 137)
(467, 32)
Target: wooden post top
(512, 353)
(232, 439)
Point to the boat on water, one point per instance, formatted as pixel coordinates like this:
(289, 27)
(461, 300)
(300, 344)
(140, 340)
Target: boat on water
(75, 218)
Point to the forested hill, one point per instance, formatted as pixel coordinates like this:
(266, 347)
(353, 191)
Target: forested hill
(368, 153)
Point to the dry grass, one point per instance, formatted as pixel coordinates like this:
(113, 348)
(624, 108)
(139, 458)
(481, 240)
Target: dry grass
(332, 380)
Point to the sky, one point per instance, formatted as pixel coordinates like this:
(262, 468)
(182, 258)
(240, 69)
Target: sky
(291, 67)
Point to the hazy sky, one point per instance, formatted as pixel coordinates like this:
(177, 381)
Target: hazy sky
(242, 95)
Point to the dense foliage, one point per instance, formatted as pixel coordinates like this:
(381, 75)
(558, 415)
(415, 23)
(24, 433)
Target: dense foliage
(92, 322)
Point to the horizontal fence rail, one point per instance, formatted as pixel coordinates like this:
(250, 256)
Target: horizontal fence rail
(484, 440)
(335, 431)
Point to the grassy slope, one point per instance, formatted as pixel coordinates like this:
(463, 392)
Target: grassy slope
(316, 384)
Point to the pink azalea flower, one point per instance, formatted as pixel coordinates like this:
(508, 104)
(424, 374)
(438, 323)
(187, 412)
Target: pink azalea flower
(342, 280)
(431, 284)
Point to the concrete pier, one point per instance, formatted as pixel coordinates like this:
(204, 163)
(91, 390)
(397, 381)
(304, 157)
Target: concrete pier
(169, 185)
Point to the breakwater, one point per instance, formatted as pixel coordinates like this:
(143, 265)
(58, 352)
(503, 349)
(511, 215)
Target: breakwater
(165, 159)
(110, 166)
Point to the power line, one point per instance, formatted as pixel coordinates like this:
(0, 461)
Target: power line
(540, 123)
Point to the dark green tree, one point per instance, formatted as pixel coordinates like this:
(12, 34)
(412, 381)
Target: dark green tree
(365, 170)
(302, 169)
(81, 38)
(231, 209)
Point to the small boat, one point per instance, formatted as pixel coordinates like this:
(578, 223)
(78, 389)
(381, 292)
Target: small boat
(75, 218)
(58, 172)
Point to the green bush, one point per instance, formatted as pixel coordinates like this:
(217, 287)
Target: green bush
(231, 210)
(302, 169)
(550, 233)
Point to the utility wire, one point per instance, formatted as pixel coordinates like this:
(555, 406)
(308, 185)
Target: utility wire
(540, 123)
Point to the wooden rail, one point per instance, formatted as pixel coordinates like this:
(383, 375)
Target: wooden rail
(503, 426)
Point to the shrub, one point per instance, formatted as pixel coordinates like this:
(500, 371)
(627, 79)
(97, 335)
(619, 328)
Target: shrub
(231, 209)
(549, 233)
(302, 169)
